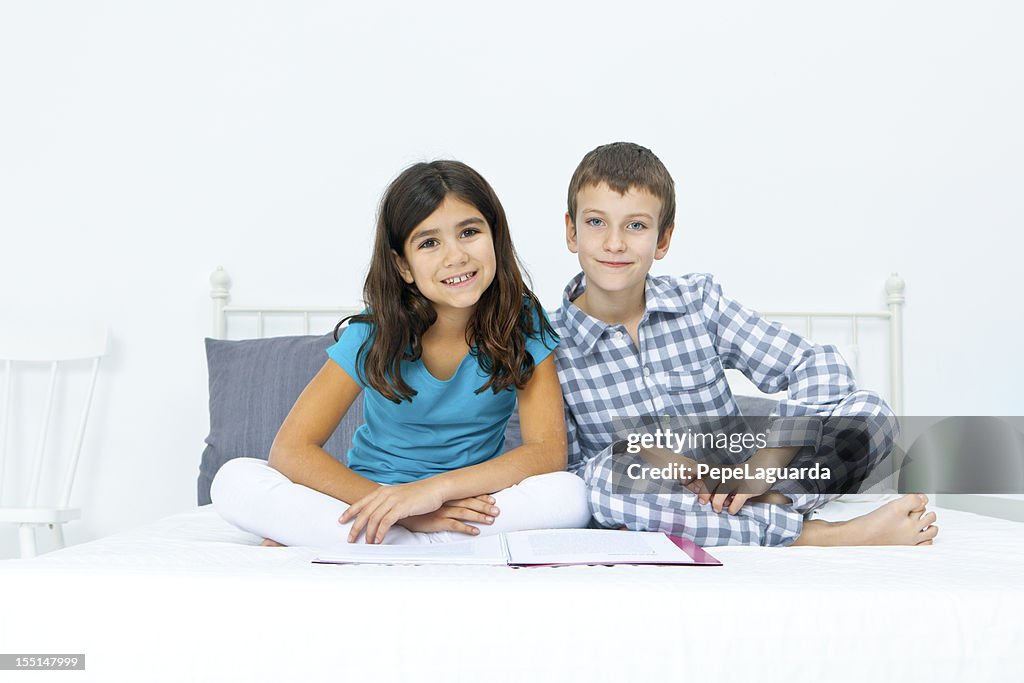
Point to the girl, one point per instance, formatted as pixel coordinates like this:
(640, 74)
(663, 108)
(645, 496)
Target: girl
(451, 337)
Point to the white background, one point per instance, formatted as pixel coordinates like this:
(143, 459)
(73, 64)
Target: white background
(816, 148)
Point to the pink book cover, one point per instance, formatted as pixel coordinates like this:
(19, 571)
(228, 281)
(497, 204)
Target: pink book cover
(699, 555)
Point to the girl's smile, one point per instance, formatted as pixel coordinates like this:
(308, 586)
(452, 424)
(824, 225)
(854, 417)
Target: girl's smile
(459, 280)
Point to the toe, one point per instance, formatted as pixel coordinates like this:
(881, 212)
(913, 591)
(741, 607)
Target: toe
(928, 518)
(909, 503)
(929, 533)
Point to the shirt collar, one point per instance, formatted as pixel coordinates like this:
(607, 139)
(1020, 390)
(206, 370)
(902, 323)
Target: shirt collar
(659, 295)
(663, 294)
(578, 326)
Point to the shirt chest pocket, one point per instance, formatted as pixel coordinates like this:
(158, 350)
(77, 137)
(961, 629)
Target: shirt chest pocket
(695, 378)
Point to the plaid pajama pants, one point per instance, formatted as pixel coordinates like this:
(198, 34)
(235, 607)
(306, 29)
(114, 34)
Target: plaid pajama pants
(859, 433)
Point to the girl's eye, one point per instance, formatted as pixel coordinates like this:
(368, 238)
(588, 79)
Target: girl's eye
(427, 244)
(469, 232)
(636, 225)
(596, 222)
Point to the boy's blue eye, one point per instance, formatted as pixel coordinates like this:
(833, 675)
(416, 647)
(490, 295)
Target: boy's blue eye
(636, 225)
(596, 222)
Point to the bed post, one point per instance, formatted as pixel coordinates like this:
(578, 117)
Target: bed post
(220, 292)
(894, 288)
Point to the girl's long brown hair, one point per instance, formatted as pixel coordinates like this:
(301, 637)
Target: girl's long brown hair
(399, 314)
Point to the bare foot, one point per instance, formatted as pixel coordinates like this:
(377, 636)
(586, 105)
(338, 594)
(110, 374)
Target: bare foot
(899, 522)
(271, 544)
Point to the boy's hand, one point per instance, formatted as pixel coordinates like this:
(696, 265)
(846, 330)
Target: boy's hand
(722, 496)
(380, 510)
(453, 515)
(687, 467)
(725, 495)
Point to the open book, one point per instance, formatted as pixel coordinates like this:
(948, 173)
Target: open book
(541, 548)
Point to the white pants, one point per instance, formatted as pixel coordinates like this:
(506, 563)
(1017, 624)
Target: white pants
(255, 497)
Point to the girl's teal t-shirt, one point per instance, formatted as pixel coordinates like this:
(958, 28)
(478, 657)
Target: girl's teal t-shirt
(444, 427)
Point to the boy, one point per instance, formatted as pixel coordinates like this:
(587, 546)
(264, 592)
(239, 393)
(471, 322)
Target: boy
(638, 346)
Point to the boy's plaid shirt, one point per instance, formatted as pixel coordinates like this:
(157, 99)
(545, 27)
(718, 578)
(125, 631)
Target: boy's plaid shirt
(689, 334)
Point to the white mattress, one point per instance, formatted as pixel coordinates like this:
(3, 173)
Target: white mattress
(190, 598)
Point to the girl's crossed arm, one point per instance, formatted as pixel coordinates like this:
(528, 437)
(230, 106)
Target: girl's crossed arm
(297, 451)
(543, 450)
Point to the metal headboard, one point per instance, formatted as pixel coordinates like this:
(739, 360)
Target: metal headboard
(220, 292)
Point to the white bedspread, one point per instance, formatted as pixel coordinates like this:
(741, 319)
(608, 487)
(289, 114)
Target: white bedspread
(190, 598)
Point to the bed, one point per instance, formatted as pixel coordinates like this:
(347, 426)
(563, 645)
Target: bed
(191, 598)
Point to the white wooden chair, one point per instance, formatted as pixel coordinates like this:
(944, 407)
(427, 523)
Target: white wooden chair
(28, 349)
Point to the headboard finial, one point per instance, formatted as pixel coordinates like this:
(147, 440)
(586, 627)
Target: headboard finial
(894, 287)
(220, 284)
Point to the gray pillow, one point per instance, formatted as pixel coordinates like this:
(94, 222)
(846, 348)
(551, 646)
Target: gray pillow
(253, 385)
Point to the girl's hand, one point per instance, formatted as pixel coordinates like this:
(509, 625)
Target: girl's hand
(453, 515)
(380, 510)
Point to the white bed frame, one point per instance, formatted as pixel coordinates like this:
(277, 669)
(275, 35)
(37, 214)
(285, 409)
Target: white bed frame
(220, 292)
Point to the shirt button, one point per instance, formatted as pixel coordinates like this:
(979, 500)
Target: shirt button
(618, 336)
(647, 371)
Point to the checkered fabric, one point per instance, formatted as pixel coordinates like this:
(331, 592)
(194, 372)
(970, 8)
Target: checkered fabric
(673, 509)
(689, 334)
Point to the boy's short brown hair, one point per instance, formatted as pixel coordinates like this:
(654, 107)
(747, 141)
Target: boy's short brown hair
(625, 165)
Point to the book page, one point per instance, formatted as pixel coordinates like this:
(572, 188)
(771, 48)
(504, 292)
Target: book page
(587, 544)
(486, 551)
(594, 546)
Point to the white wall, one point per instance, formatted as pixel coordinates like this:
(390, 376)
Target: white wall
(816, 146)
